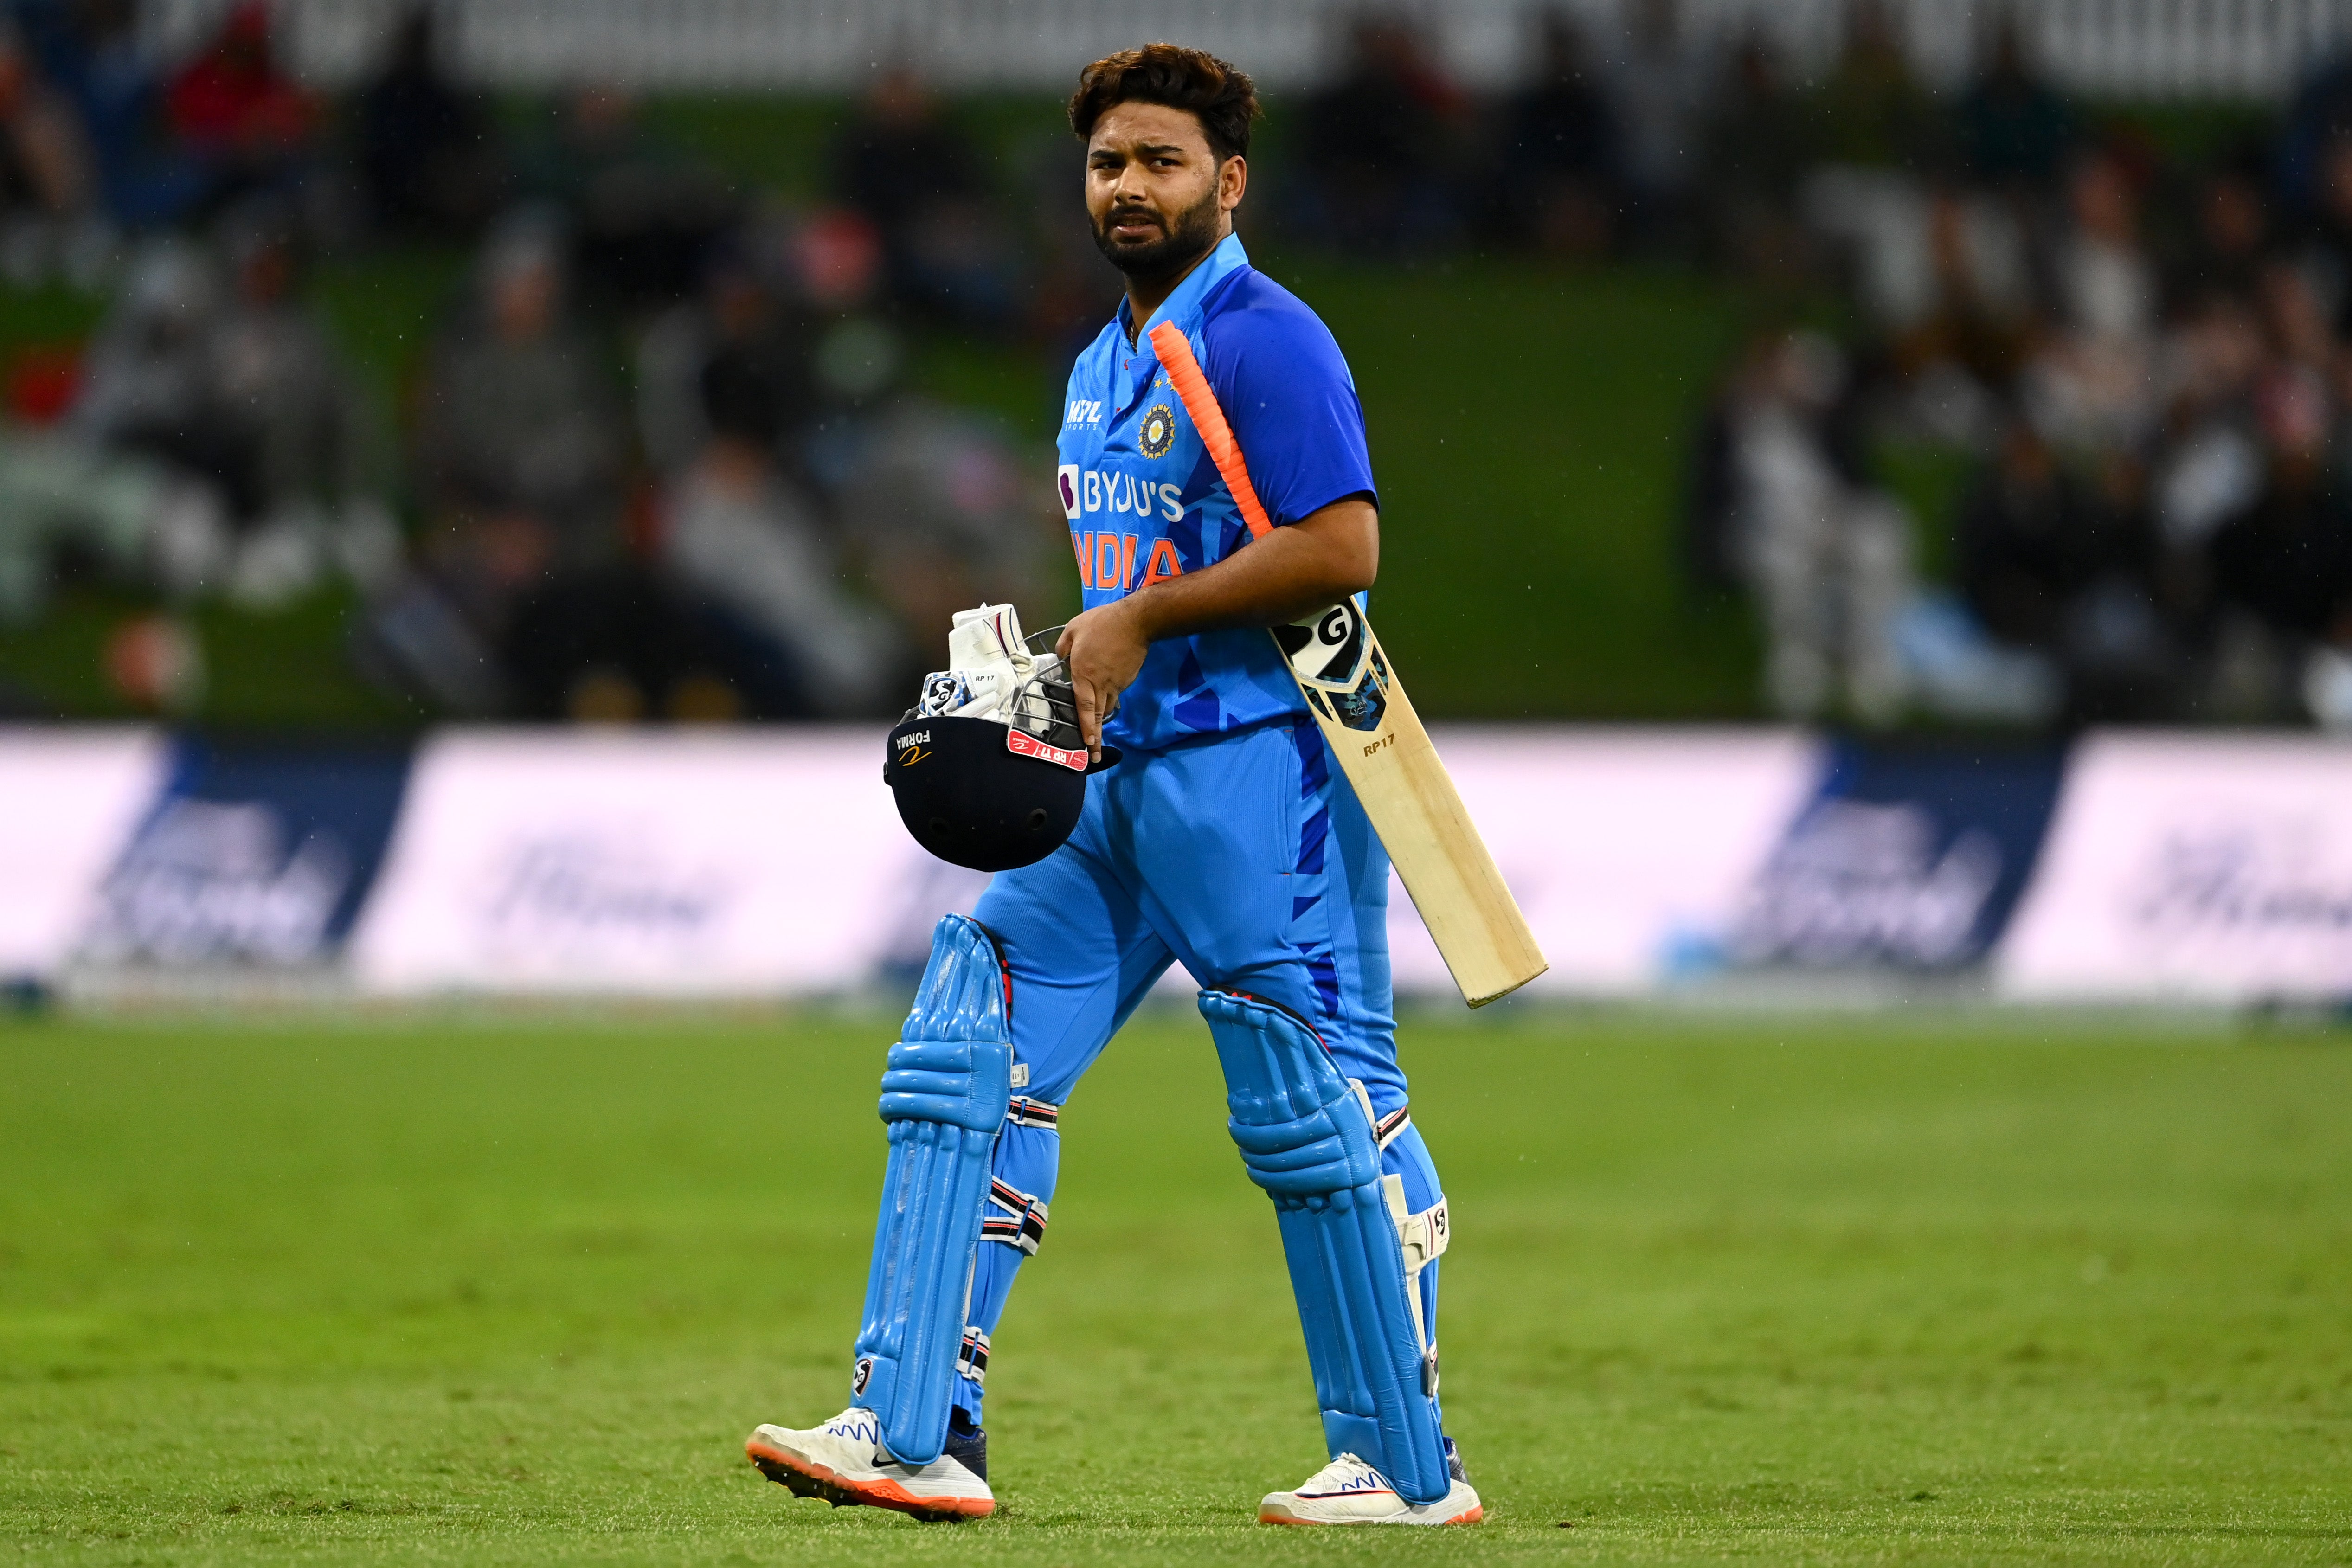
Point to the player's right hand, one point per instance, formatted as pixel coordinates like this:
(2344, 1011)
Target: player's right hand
(1104, 649)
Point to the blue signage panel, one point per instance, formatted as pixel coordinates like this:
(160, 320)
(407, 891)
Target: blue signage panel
(253, 854)
(1907, 857)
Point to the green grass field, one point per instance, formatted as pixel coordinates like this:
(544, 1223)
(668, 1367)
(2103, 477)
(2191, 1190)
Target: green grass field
(454, 1288)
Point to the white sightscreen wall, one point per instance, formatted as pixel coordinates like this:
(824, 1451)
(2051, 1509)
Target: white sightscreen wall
(70, 801)
(2204, 867)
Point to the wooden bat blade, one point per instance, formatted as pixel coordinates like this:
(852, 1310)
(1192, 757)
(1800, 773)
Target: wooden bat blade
(1370, 724)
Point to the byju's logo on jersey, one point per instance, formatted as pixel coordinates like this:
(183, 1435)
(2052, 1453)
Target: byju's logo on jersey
(1084, 411)
(1066, 483)
(1158, 431)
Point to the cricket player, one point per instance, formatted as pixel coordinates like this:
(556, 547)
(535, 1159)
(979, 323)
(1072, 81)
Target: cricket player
(1225, 839)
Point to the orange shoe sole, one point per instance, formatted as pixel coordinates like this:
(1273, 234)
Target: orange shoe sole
(805, 1480)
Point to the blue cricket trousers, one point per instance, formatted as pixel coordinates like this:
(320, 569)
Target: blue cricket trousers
(1245, 857)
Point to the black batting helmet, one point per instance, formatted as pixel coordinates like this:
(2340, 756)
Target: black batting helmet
(984, 795)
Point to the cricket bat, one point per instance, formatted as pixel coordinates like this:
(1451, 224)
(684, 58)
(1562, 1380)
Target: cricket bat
(1369, 722)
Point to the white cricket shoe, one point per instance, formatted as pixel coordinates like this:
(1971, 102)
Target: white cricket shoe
(1349, 1492)
(844, 1462)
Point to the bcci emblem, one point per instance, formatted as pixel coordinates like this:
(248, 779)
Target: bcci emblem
(1158, 432)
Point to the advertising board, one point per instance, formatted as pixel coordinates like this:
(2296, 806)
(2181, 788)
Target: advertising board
(775, 864)
(70, 800)
(1906, 858)
(250, 855)
(665, 864)
(2207, 868)
(1627, 850)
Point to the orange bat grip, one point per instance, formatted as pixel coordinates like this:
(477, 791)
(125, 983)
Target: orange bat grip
(1184, 373)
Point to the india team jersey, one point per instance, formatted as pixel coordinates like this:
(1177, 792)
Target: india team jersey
(1145, 503)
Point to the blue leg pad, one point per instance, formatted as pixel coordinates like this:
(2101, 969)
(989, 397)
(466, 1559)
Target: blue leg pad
(1305, 1136)
(944, 1095)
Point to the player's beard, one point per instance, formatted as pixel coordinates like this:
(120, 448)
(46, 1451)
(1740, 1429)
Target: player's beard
(1183, 241)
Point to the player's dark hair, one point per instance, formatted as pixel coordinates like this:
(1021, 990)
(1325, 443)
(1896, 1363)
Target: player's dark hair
(1222, 97)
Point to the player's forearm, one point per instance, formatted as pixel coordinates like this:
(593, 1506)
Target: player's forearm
(1292, 571)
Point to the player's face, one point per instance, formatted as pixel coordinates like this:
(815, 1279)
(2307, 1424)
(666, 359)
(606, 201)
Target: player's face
(1157, 197)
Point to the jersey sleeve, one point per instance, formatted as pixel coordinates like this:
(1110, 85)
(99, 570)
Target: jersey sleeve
(1286, 390)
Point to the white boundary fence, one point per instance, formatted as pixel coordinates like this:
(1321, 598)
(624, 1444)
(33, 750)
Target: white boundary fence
(2148, 48)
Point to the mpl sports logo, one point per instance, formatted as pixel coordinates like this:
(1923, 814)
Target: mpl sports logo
(1084, 411)
(1020, 744)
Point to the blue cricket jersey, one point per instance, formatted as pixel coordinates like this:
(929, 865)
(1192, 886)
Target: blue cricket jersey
(1145, 501)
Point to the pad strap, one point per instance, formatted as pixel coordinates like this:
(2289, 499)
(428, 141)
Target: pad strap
(1021, 1221)
(1386, 1131)
(1027, 1111)
(972, 1362)
(1422, 1238)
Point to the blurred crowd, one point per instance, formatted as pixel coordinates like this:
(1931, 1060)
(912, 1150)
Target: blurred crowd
(658, 456)
(2135, 364)
(2139, 363)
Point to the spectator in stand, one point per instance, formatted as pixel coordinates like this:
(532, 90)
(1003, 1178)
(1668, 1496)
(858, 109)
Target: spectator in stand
(650, 211)
(144, 525)
(69, 496)
(232, 384)
(2053, 562)
(938, 517)
(2229, 235)
(2021, 541)
(147, 385)
(429, 157)
(520, 443)
(1870, 111)
(920, 181)
(1982, 322)
(2210, 467)
(2287, 564)
(2016, 132)
(46, 184)
(1754, 154)
(1560, 150)
(2094, 387)
(520, 459)
(2327, 252)
(643, 214)
(1828, 555)
(1380, 147)
(2105, 282)
(285, 392)
(241, 115)
(2321, 113)
(748, 331)
(1661, 81)
(742, 542)
(1876, 187)
(90, 50)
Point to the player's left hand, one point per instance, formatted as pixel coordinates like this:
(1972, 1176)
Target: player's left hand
(1104, 648)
